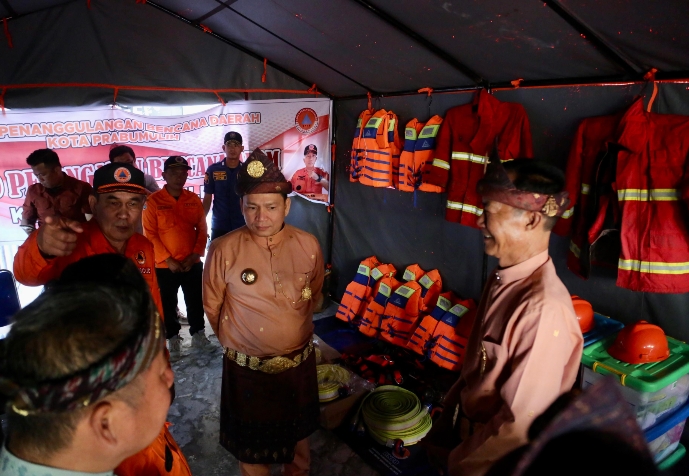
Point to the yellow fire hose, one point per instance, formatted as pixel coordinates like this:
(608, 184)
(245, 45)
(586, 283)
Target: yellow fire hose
(330, 379)
(392, 413)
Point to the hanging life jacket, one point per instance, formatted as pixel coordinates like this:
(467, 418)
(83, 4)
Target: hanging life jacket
(356, 155)
(405, 176)
(376, 152)
(419, 146)
(448, 346)
(404, 308)
(424, 150)
(358, 291)
(426, 329)
(396, 145)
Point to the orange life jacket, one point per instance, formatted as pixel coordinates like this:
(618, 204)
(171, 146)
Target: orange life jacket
(448, 346)
(395, 146)
(404, 307)
(358, 291)
(163, 457)
(377, 164)
(406, 179)
(426, 329)
(424, 150)
(419, 145)
(371, 321)
(356, 155)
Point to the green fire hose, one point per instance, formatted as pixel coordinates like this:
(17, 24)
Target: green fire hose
(330, 379)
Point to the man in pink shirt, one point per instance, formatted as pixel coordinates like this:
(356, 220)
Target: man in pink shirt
(525, 346)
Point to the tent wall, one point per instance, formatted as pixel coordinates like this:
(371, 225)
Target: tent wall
(124, 44)
(404, 228)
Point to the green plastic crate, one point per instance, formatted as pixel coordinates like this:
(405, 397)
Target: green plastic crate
(652, 390)
(672, 459)
(642, 377)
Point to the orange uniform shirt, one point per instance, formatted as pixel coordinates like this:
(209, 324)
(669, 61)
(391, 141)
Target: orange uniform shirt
(162, 457)
(32, 269)
(303, 183)
(176, 227)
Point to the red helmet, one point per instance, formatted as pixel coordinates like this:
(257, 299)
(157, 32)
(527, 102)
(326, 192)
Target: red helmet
(640, 343)
(584, 313)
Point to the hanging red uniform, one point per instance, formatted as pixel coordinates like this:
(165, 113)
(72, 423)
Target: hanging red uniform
(463, 144)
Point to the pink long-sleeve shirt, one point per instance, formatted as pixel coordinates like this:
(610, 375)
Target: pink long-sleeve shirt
(533, 344)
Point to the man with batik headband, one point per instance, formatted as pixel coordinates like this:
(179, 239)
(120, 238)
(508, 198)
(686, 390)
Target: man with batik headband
(525, 346)
(117, 202)
(86, 378)
(261, 284)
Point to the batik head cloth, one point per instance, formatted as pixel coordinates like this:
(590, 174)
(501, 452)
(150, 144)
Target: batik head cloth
(91, 384)
(497, 186)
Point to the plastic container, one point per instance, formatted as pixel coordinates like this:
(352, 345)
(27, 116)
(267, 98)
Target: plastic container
(672, 460)
(663, 437)
(653, 389)
(603, 327)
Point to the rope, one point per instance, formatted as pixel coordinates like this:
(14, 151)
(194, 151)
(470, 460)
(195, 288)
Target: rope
(392, 413)
(330, 379)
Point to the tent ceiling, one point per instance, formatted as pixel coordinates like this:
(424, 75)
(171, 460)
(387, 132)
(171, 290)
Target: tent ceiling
(350, 47)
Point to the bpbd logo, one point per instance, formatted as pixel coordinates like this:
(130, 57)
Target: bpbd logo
(306, 121)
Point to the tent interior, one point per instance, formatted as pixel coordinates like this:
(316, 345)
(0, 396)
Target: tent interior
(563, 60)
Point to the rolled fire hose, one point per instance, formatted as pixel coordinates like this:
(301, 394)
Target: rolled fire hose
(393, 413)
(330, 379)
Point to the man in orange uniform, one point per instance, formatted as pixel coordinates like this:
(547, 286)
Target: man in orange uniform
(260, 286)
(118, 200)
(175, 223)
(526, 344)
(311, 180)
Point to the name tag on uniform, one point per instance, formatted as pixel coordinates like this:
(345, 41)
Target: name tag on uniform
(165, 207)
(219, 175)
(189, 205)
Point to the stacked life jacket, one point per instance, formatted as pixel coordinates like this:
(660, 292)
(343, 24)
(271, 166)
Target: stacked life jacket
(380, 147)
(466, 137)
(356, 157)
(371, 319)
(419, 148)
(405, 306)
(426, 329)
(447, 347)
(358, 291)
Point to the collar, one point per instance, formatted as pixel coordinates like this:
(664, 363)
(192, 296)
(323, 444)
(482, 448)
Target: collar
(521, 270)
(633, 128)
(170, 195)
(487, 106)
(10, 464)
(270, 241)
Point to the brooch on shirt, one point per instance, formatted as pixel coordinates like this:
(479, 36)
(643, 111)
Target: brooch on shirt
(306, 292)
(249, 276)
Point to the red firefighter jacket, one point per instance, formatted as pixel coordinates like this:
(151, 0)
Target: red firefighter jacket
(590, 141)
(652, 185)
(465, 139)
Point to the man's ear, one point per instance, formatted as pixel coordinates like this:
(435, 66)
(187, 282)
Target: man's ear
(92, 202)
(533, 220)
(288, 203)
(101, 423)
